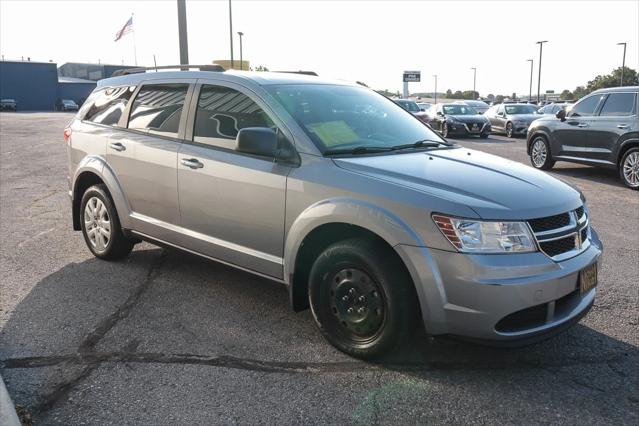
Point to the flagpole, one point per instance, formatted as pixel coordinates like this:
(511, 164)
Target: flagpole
(135, 50)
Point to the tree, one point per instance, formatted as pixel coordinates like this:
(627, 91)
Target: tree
(491, 97)
(259, 68)
(580, 92)
(469, 94)
(458, 95)
(499, 99)
(449, 93)
(566, 95)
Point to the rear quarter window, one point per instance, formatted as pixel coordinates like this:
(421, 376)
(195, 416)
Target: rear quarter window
(105, 106)
(619, 104)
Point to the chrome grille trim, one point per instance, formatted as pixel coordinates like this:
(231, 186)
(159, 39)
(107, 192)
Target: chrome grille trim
(572, 230)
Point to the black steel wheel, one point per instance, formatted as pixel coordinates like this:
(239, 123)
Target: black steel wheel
(362, 298)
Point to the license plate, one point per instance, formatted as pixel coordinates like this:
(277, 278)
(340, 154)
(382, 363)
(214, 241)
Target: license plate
(588, 278)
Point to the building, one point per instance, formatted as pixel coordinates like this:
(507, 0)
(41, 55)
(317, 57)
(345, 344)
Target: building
(39, 86)
(34, 85)
(92, 72)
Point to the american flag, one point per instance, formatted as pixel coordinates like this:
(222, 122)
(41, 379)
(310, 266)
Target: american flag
(127, 28)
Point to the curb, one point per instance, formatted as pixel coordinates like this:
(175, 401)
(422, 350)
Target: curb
(8, 415)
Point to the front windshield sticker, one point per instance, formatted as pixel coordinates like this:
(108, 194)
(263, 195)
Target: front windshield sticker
(333, 133)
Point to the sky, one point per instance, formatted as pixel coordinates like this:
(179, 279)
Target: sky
(369, 41)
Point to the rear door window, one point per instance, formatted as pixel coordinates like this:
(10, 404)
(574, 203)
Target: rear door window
(157, 109)
(619, 104)
(106, 106)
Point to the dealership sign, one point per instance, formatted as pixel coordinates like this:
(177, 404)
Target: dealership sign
(412, 76)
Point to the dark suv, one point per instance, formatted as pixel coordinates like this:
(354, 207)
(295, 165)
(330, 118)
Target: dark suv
(602, 129)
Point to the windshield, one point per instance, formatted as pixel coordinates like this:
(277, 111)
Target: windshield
(349, 117)
(520, 109)
(409, 106)
(459, 110)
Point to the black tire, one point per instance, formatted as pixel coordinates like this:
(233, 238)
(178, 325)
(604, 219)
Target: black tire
(509, 129)
(444, 129)
(118, 245)
(349, 270)
(628, 164)
(484, 135)
(541, 161)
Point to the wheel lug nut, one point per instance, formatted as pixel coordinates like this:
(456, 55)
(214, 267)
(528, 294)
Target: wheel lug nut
(361, 310)
(362, 298)
(345, 298)
(349, 310)
(352, 290)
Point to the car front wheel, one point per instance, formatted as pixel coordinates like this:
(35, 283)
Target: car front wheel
(629, 168)
(509, 130)
(540, 154)
(362, 298)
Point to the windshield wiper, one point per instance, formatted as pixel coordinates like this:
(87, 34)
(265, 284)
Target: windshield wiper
(420, 144)
(358, 150)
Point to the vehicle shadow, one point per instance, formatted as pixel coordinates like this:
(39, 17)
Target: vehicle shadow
(170, 307)
(592, 174)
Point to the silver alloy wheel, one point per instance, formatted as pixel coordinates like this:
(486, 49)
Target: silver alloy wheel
(631, 169)
(97, 224)
(539, 152)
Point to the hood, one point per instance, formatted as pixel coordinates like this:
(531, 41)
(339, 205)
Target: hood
(525, 117)
(492, 186)
(475, 118)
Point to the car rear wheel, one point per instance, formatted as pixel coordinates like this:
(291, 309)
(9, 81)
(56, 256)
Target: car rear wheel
(362, 298)
(540, 154)
(509, 129)
(629, 168)
(101, 225)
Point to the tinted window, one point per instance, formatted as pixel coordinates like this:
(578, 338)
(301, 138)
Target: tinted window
(157, 109)
(453, 109)
(619, 104)
(106, 106)
(586, 107)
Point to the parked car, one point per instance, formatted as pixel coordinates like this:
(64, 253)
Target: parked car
(67, 105)
(423, 106)
(479, 106)
(368, 216)
(602, 129)
(413, 108)
(511, 119)
(8, 105)
(458, 119)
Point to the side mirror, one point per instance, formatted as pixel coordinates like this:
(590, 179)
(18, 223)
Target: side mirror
(501, 114)
(257, 141)
(440, 113)
(561, 114)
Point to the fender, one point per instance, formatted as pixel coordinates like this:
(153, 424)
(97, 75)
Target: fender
(538, 131)
(97, 165)
(630, 139)
(381, 222)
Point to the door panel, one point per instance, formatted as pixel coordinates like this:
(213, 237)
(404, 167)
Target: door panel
(570, 137)
(617, 116)
(232, 207)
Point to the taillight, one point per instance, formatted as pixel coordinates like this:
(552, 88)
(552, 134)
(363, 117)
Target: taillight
(67, 134)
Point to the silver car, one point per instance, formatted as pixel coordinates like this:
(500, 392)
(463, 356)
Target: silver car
(512, 119)
(365, 214)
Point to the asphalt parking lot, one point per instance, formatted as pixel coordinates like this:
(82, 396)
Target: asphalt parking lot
(165, 337)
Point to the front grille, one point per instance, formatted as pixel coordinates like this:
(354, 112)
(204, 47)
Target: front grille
(561, 233)
(549, 223)
(557, 247)
(538, 315)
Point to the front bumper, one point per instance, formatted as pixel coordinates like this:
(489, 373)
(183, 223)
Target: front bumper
(499, 298)
(520, 129)
(467, 129)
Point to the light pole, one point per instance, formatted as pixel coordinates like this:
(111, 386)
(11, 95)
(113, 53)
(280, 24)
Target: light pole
(435, 75)
(623, 63)
(231, 33)
(241, 61)
(474, 80)
(184, 45)
(541, 46)
(530, 87)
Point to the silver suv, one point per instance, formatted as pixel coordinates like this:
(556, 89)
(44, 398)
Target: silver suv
(367, 216)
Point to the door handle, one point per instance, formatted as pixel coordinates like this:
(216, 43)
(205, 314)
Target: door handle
(582, 125)
(622, 126)
(192, 163)
(117, 146)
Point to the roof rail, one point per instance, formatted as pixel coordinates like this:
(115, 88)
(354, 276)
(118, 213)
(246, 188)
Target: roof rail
(139, 70)
(313, 73)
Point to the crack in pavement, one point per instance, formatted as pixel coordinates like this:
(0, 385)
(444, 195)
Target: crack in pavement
(95, 358)
(85, 353)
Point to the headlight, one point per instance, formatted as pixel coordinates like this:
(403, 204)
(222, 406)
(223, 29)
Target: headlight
(475, 236)
(453, 120)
